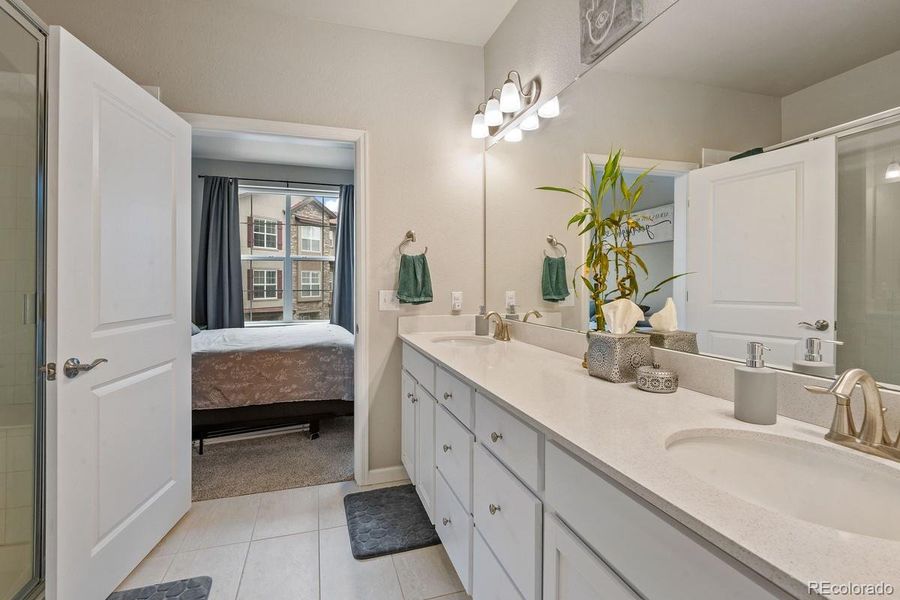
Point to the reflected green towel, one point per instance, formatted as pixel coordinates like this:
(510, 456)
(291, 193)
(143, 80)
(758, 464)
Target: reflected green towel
(415, 280)
(553, 279)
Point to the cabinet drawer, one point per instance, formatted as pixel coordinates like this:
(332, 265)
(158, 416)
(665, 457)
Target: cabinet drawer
(453, 455)
(655, 556)
(417, 365)
(457, 396)
(573, 572)
(489, 582)
(508, 515)
(516, 444)
(454, 526)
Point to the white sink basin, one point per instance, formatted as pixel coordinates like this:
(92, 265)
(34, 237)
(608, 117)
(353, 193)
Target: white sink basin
(464, 340)
(807, 481)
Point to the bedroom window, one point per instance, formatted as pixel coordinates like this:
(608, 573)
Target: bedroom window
(265, 284)
(310, 239)
(265, 234)
(310, 284)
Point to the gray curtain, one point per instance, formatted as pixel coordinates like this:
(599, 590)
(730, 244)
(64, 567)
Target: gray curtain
(219, 300)
(345, 253)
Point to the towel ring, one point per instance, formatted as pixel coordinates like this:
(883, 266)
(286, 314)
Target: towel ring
(551, 239)
(409, 238)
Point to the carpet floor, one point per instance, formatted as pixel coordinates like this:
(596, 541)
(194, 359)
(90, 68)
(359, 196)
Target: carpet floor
(276, 462)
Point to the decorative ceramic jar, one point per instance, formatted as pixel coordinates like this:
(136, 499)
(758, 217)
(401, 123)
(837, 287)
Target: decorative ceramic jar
(657, 380)
(682, 341)
(615, 357)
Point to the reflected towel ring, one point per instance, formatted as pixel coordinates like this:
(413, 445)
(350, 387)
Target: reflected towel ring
(409, 238)
(551, 239)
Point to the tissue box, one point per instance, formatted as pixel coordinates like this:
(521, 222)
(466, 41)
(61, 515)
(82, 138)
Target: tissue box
(682, 341)
(616, 357)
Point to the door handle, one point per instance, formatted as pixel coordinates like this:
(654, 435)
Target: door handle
(73, 367)
(820, 325)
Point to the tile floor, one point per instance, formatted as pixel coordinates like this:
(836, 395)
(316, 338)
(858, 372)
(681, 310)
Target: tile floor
(291, 544)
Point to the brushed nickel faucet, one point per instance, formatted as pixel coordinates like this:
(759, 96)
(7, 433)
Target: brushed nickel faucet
(537, 315)
(501, 330)
(872, 437)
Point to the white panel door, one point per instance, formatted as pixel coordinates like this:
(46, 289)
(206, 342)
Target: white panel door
(408, 424)
(118, 436)
(761, 246)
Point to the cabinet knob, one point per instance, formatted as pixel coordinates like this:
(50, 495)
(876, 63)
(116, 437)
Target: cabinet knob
(494, 508)
(409, 395)
(414, 399)
(496, 437)
(447, 448)
(447, 395)
(445, 521)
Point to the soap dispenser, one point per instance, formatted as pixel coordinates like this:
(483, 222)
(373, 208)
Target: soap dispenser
(812, 363)
(482, 326)
(755, 389)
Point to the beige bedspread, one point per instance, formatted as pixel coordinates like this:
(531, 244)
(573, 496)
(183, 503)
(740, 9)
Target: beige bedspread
(265, 365)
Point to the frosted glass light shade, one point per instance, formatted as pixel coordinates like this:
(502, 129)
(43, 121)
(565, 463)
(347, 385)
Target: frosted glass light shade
(513, 135)
(492, 114)
(530, 123)
(510, 102)
(893, 172)
(479, 127)
(550, 108)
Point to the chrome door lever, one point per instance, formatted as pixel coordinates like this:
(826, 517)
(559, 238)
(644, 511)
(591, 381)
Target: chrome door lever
(73, 367)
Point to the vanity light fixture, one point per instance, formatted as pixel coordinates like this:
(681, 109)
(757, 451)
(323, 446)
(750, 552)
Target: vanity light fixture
(893, 172)
(492, 114)
(530, 123)
(512, 99)
(550, 109)
(479, 127)
(513, 135)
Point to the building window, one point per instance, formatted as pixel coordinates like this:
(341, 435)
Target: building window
(310, 284)
(310, 239)
(265, 284)
(265, 234)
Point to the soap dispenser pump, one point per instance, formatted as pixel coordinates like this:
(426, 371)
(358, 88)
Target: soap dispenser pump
(812, 363)
(756, 388)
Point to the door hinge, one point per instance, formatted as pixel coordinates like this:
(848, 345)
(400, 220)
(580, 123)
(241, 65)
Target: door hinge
(50, 370)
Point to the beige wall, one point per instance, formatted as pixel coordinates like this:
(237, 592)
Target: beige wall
(415, 98)
(865, 90)
(542, 38)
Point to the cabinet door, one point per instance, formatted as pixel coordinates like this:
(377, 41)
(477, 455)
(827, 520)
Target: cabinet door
(573, 572)
(408, 424)
(425, 449)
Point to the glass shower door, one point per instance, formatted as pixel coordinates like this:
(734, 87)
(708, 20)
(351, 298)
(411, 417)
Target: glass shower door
(21, 130)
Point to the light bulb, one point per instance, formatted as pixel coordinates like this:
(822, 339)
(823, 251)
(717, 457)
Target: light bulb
(513, 135)
(530, 123)
(479, 128)
(492, 114)
(550, 109)
(509, 98)
(893, 172)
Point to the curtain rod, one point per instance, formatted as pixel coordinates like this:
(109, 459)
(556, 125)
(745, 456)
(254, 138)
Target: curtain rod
(275, 181)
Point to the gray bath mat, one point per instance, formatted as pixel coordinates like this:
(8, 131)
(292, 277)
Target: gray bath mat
(195, 588)
(387, 520)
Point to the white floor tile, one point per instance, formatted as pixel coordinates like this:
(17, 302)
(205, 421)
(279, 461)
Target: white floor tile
(331, 503)
(220, 522)
(426, 573)
(223, 563)
(456, 596)
(282, 568)
(151, 571)
(342, 577)
(287, 512)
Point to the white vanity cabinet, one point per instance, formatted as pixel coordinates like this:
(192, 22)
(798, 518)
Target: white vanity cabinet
(417, 425)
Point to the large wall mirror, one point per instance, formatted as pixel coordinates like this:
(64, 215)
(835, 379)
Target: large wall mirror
(794, 244)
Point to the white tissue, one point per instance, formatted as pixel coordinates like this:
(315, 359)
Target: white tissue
(666, 319)
(621, 316)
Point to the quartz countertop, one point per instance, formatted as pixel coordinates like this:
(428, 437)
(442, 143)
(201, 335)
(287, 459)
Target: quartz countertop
(622, 432)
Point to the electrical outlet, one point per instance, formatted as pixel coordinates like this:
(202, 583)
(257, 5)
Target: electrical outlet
(511, 298)
(456, 300)
(387, 300)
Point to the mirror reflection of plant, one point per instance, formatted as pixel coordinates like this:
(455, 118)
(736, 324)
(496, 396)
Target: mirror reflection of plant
(610, 233)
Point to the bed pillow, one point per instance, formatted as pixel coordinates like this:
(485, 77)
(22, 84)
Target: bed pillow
(194, 329)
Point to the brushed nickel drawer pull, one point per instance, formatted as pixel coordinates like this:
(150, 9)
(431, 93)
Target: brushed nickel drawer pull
(414, 399)
(494, 508)
(445, 521)
(447, 395)
(447, 448)
(496, 437)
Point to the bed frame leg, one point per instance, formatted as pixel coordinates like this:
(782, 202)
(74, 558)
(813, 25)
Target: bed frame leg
(314, 429)
(201, 446)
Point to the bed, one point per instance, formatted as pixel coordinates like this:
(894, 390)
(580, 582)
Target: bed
(254, 378)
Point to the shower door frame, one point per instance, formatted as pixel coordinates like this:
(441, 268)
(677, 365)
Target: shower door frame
(23, 15)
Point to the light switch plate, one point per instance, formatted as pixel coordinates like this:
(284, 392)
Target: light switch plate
(511, 298)
(456, 300)
(387, 300)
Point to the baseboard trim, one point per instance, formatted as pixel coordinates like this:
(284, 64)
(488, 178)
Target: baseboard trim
(386, 475)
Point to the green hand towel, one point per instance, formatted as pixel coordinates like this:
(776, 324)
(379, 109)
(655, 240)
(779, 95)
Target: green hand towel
(415, 280)
(553, 279)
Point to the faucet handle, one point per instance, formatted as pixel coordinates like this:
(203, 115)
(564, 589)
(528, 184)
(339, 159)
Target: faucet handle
(842, 425)
(815, 389)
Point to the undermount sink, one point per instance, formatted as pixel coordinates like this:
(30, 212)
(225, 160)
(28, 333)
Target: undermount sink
(464, 340)
(807, 481)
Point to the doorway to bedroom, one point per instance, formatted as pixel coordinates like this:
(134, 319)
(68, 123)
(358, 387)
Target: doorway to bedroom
(273, 270)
